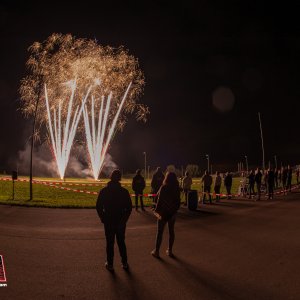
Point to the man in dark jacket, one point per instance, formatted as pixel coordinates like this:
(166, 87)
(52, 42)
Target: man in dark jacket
(114, 208)
(251, 180)
(228, 184)
(138, 186)
(257, 178)
(271, 183)
(206, 182)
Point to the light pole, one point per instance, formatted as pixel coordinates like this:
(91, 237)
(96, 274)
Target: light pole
(207, 157)
(262, 142)
(145, 154)
(246, 163)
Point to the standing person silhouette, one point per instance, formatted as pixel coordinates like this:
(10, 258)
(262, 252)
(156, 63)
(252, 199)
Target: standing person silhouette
(251, 178)
(271, 183)
(187, 182)
(114, 208)
(138, 186)
(228, 184)
(167, 205)
(276, 173)
(217, 187)
(284, 179)
(289, 178)
(207, 182)
(257, 178)
(156, 182)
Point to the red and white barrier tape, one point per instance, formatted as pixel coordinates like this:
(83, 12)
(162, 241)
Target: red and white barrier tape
(57, 186)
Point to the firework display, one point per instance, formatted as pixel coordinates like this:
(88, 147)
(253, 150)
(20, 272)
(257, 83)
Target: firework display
(72, 77)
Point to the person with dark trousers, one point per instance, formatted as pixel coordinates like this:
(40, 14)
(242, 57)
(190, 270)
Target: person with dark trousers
(187, 182)
(156, 182)
(217, 187)
(284, 179)
(114, 208)
(168, 204)
(138, 186)
(279, 178)
(251, 180)
(289, 178)
(271, 182)
(206, 182)
(257, 179)
(228, 184)
(276, 178)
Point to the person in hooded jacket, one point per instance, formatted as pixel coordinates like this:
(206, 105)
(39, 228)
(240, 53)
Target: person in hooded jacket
(167, 206)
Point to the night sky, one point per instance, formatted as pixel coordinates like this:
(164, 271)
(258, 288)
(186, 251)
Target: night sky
(210, 66)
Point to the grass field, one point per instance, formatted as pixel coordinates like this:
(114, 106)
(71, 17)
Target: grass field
(49, 196)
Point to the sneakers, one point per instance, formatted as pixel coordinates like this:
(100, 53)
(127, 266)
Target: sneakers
(109, 267)
(155, 253)
(170, 253)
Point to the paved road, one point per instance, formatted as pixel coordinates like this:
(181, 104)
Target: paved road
(238, 249)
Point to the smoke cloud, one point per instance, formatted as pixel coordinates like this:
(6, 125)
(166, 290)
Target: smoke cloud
(44, 164)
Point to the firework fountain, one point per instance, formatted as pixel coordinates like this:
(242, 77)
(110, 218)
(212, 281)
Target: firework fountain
(97, 142)
(105, 85)
(62, 138)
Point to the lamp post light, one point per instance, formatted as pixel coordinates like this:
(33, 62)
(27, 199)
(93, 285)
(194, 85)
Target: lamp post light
(207, 157)
(262, 143)
(145, 154)
(246, 163)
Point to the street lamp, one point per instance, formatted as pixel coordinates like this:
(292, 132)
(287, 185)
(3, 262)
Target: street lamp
(207, 157)
(145, 154)
(246, 163)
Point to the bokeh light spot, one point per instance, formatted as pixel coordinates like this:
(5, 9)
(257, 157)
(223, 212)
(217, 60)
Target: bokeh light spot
(223, 99)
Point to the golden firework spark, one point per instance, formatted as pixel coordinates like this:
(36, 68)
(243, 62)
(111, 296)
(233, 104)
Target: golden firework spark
(62, 58)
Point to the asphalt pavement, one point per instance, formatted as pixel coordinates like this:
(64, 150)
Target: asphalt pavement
(236, 249)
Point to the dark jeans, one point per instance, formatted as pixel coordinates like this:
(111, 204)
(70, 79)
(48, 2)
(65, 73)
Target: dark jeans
(228, 189)
(205, 191)
(251, 189)
(118, 231)
(137, 195)
(289, 185)
(217, 191)
(271, 191)
(160, 230)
